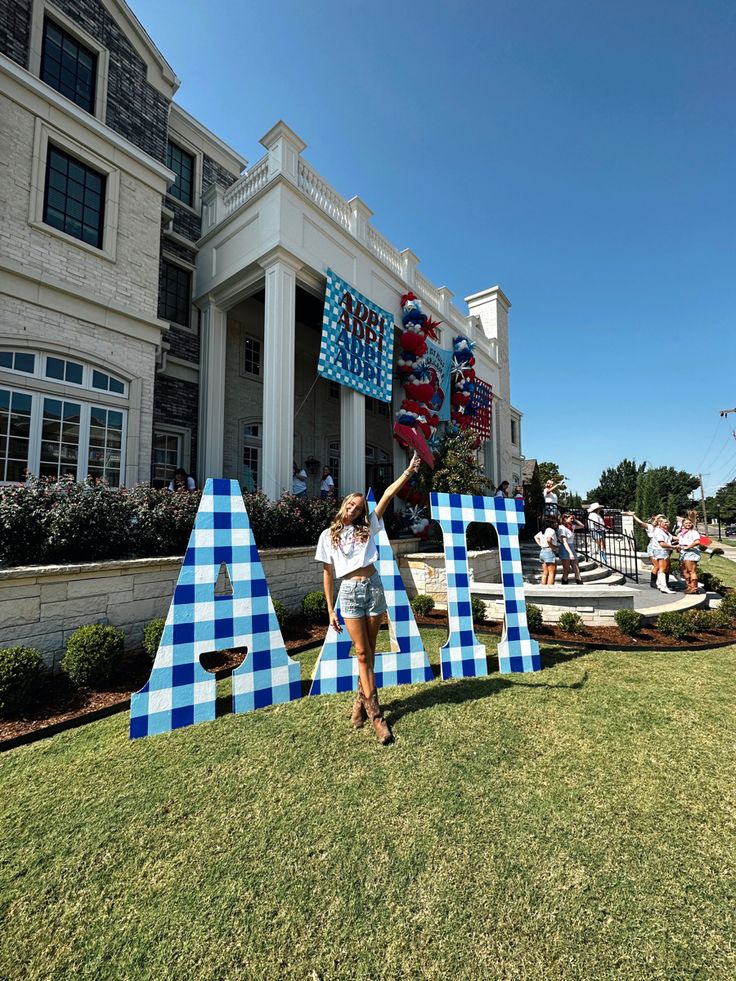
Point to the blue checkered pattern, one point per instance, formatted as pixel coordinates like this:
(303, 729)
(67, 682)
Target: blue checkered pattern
(180, 692)
(462, 656)
(329, 350)
(337, 671)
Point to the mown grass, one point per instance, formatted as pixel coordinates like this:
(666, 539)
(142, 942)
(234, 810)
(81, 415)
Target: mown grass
(576, 823)
(719, 565)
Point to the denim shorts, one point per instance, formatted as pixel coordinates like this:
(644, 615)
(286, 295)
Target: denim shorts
(362, 597)
(568, 553)
(547, 556)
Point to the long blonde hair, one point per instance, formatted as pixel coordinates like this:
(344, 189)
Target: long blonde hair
(361, 525)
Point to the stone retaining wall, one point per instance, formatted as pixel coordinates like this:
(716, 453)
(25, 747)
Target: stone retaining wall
(40, 606)
(424, 572)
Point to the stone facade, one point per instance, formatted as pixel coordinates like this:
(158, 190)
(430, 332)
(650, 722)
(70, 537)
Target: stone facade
(41, 606)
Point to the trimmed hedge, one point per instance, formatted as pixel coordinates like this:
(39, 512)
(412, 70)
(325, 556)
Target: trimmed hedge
(629, 622)
(314, 607)
(571, 623)
(58, 522)
(152, 636)
(674, 623)
(20, 669)
(479, 609)
(422, 604)
(534, 616)
(91, 653)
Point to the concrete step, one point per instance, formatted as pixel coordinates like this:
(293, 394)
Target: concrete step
(599, 577)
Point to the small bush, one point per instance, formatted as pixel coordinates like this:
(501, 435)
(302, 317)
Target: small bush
(20, 668)
(698, 620)
(571, 623)
(91, 653)
(282, 614)
(728, 605)
(422, 604)
(152, 636)
(314, 607)
(629, 622)
(721, 620)
(674, 624)
(479, 609)
(534, 618)
(711, 583)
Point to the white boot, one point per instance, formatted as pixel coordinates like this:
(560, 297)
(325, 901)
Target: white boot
(662, 583)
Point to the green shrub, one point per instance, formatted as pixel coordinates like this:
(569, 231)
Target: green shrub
(534, 617)
(571, 623)
(282, 614)
(422, 604)
(629, 622)
(674, 624)
(721, 619)
(152, 636)
(698, 620)
(711, 583)
(91, 653)
(479, 609)
(20, 668)
(314, 607)
(728, 605)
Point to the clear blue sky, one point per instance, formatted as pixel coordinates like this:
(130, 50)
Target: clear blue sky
(581, 155)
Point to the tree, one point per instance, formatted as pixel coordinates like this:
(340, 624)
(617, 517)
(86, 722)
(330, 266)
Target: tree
(456, 467)
(550, 471)
(723, 503)
(617, 485)
(663, 490)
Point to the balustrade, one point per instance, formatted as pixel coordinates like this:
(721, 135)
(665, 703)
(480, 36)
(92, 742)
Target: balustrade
(324, 196)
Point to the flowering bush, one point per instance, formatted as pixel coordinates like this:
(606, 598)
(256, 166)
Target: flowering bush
(58, 522)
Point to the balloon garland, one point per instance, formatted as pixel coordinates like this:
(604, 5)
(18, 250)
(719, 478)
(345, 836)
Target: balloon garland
(463, 380)
(423, 396)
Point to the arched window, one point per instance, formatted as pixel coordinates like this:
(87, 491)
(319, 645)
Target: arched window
(49, 432)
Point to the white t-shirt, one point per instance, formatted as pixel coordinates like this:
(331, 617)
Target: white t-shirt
(688, 541)
(550, 497)
(327, 484)
(565, 534)
(550, 534)
(350, 554)
(660, 536)
(191, 485)
(594, 518)
(299, 482)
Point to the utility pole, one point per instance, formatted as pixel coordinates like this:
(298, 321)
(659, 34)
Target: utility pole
(726, 412)
(702, 498)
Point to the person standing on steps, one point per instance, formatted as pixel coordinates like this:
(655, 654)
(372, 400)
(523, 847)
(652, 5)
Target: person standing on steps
(689, 546)
(597, 528)
(568, 554)
(347, 551)
(648, 527)
(550, 498)
(661, 548)
(548, 550)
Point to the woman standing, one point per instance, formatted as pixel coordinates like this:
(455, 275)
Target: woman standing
(548, 551)
(689, 545)
(648, 527)
(568, 554)
(598, 530)
(347, 551)
(661, 548)
(327, 487)
(550, 498)
(503, 489)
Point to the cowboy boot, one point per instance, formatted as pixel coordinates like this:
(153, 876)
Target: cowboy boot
(375, 714)
(358, 715)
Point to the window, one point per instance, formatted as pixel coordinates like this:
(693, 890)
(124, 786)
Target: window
(252, 356)
(166, 457)
(370, 453)
(105, 444)
(513, 432)
(18, 361)
(369, 404)
(334, 461)
(61, 370)
(334, 390)
(59, 438)
(15, 433)
(175, 292)
(74, 197)
(251, 457)
(382, 408)
(107, 383)
(182, 163)
(68, 66)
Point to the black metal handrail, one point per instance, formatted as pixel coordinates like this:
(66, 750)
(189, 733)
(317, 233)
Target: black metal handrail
(619, 552)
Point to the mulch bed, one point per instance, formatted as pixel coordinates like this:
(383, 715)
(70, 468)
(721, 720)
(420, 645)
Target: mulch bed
(60, 706)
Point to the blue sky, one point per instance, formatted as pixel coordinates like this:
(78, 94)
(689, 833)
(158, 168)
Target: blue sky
(581, 155)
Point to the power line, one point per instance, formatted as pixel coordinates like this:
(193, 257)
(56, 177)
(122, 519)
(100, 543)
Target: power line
(712, 440)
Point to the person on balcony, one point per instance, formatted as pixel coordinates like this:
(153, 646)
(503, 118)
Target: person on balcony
(181, 481)
(348, 551)
(503, 489)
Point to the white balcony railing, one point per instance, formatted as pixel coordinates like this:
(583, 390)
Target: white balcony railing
(246, 186)
(382, 248)
(324, 196)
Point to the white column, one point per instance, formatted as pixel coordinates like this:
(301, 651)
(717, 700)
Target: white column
(213, 337)
(352, 441)
(278, 374)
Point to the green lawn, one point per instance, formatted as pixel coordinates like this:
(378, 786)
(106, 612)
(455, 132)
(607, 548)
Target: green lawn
(579, 823)
(720, 566)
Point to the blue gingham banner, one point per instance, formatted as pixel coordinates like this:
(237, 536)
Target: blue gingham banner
(337, 671)
(463, 656)
(180, 692)
(357, 341)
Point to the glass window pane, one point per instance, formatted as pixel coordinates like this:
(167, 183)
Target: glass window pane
(74, 191)
(74, 372)
(117, 386)
(114, 419)
(21, 402)
(51, 409)
(55, 368)
(6, 359)
(100, 380)
(72, 411)
(4, 399)
(15, 470)
(25, 362)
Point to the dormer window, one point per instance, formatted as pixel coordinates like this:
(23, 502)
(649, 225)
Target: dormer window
(68, 66)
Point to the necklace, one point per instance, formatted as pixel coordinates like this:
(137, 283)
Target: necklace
(348, 546)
